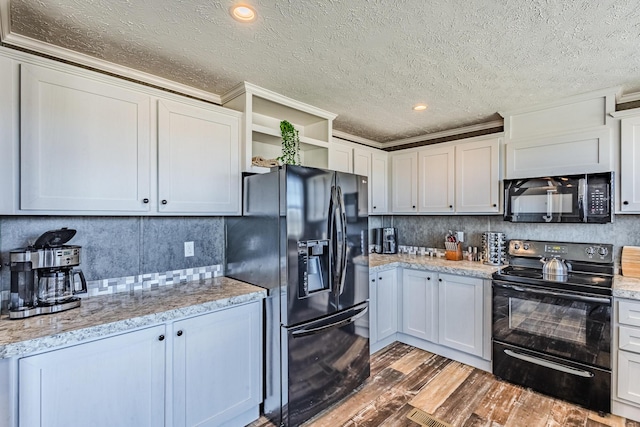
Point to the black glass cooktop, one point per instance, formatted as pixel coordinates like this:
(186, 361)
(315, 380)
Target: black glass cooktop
(575, 281)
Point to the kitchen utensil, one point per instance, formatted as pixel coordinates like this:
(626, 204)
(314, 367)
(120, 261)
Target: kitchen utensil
(630, 261)
(494, 248)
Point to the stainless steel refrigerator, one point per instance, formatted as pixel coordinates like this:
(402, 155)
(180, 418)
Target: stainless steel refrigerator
(303, 237)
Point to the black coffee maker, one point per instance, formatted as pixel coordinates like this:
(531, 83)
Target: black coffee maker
(43, 276)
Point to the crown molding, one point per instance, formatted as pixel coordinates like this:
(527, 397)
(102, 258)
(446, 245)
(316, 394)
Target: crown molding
(81, 59)
(629, 97)
(445, 133)
(5, 20)
(357, 139)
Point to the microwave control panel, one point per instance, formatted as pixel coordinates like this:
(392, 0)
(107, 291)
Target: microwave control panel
(598, 199)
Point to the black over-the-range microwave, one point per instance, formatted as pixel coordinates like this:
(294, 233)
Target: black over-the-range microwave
(586, 198)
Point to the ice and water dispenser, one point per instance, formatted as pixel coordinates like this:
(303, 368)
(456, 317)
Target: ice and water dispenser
(313, 267)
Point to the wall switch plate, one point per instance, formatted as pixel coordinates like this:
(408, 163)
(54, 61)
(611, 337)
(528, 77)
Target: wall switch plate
(460, 236)
(188, 249)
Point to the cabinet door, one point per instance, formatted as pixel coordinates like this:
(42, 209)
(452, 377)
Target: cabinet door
(84, 144)
(404, 188)
(629, 376)
(478, 176)
(378, 182)
(340, 157)
(117, 381)
(436, 179)
(198, 159)
(420, 304)
(386, 304)
(461, 313)
(217, 366)
(9, 110)
(630, 165)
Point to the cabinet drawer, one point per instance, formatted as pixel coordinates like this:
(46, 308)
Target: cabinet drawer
(629, 339)
(629, 313)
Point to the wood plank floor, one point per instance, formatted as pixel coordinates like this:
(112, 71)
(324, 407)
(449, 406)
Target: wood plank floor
(404, 377)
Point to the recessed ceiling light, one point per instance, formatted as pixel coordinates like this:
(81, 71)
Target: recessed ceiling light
(243, 13)
(420, 107)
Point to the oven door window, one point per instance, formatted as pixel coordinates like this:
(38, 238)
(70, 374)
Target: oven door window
(569, 325)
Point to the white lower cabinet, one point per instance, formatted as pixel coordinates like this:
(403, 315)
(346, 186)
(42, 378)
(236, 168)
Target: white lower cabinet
(204, 370)
(461, 313)
(117, 381)
(626, 359)
(217, 361)
(420, 304)
(383, 308)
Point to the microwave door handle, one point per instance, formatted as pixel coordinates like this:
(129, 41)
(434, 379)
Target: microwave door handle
(549, 215)
(582, 199)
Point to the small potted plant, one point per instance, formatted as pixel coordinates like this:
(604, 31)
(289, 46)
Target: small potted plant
(290, 144)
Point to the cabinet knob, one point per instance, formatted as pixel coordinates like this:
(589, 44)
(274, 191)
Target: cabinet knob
(626, 202)
(414, 206)
(145, 200)
(374, 207)
(379, 278)
(439, 280)
(494, 205)
(161, 338)
(164, 202)
(428, 278)
(179, 333)
(450, 206)
(373, 280)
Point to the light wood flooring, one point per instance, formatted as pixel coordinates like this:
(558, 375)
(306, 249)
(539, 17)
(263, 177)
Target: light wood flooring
(404, 377)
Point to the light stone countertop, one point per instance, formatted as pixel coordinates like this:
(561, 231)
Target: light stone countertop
(626, 287)
(379, 262)
(101, 316)
(623, 287)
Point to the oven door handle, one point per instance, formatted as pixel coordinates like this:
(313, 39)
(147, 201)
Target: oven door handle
(549, 364)
(581, 298)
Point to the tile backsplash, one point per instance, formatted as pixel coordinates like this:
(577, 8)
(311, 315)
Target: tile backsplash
(117, 247)
(430, 230)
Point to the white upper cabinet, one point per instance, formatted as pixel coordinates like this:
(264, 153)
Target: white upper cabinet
(198, 159)
(404, 182)
(263, 111)
(362, 162)
(379, 183)
(9, 137)
(436, 179)
(630, 165)
(341, 158)
(478, 176)
(85, 145)
(95, 145)
(456, 177)
(569, 136)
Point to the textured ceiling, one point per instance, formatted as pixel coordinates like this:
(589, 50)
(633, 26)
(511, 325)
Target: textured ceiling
(369, 61)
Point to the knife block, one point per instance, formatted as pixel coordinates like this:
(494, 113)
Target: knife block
(454, 255)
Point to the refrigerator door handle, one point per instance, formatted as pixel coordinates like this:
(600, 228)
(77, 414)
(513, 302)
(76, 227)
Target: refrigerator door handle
(340, 323)
(332, 235)
(342, 214)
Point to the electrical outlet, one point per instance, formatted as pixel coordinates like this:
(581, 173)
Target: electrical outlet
(188, 249)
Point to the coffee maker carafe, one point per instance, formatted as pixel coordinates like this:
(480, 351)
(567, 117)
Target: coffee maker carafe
(43, 276)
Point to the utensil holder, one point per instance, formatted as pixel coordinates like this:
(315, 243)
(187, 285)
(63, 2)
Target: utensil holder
(453, 251)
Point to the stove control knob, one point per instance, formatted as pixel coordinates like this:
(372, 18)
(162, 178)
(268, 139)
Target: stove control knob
(602, 251)
(525, 246)
(516, 246)
(590, 251)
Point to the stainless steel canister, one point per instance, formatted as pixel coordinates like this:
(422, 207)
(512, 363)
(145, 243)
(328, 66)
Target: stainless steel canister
(494, 248)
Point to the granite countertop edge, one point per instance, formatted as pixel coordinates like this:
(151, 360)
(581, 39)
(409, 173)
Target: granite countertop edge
(623, 286)
(22, 337)
(438, 265)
